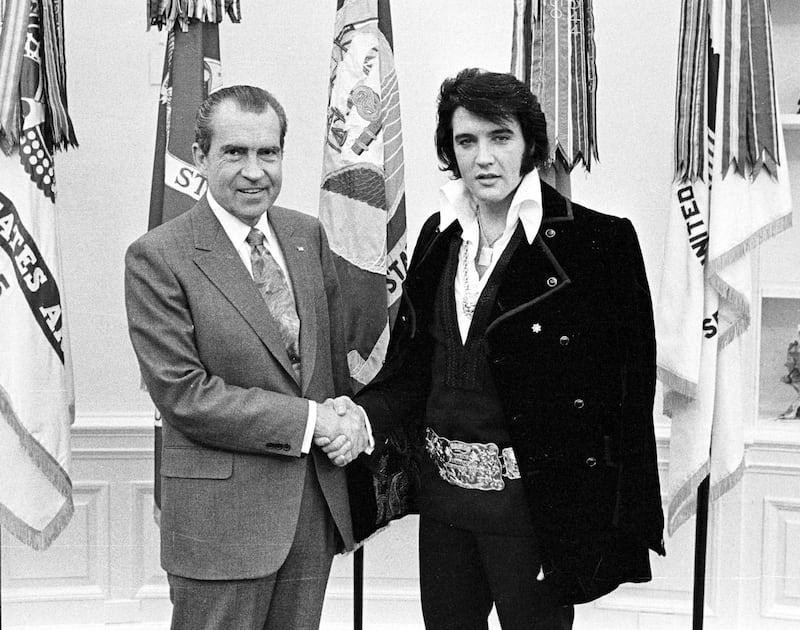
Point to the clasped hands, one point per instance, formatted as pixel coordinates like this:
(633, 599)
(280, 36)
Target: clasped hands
(341, 430)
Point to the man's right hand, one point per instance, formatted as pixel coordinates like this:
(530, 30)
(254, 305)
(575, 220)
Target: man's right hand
(340, 430)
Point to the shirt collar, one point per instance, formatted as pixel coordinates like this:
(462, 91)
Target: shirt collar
(236, 229)
(455, 204)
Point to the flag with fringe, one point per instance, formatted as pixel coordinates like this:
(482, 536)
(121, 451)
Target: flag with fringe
(192, 71)
(37, 404)
(362, 203)
(731, 193)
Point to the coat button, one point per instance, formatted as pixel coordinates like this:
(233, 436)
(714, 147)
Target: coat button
(563, 340)
(549, 232)
(578, 403)
(517, 418)
(552, 281)
(591, 462)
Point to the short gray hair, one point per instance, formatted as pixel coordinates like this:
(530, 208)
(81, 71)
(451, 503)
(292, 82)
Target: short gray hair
(248, 98)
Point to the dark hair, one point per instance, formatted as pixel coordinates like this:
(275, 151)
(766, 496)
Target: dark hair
(495, 96)
(248, 98)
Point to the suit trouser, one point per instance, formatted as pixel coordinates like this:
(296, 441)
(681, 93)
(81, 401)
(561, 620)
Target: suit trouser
(291, 598)
(463, 573)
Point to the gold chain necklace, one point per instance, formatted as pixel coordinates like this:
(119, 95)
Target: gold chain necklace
(470, 301)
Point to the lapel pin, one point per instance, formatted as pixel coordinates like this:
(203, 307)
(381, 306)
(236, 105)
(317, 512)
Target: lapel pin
(300, 248)
(537, 327)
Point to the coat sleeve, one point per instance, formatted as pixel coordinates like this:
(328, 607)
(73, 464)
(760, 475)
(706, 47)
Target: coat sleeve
(396, 398)
(202, 406)
(640, 499)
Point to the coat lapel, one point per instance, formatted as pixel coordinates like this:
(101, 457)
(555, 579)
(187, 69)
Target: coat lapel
(219, 261)
(295, 252)
(534, 273)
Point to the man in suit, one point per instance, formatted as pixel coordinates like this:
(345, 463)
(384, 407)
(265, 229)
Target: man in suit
(234, 315)
(523, 365)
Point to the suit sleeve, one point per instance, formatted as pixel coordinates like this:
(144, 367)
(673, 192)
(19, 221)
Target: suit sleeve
(200, 405)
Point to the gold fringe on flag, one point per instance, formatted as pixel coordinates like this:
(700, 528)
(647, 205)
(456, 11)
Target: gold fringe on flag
(167, 13)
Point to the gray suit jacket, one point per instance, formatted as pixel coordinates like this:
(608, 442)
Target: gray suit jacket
(234, 414)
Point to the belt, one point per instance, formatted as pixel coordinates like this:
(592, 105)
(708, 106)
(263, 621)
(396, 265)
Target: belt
(471, 465)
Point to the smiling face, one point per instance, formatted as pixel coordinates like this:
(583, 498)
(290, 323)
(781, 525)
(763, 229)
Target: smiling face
(244, 162)
(489, 157)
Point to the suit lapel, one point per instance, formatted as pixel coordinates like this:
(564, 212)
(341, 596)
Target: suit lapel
(295, 252)
(219, 261)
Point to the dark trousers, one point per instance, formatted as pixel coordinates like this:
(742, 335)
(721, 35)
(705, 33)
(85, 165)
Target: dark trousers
(462, 574)
(290, 598)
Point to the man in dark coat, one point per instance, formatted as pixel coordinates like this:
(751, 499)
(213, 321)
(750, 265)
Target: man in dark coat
(523, 364)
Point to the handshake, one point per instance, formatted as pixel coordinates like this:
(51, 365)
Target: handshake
(341, 430)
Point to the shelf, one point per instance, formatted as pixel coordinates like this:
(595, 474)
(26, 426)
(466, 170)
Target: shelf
(780, 290)
(790, 121)
(780, 318)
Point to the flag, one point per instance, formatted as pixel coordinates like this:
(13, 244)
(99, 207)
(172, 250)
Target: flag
(731, 193)
(362, 202)
(37, 404)
(192, 71)
(553, 53)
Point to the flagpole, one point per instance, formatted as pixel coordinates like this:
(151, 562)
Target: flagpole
(358, 589)
(700, 545)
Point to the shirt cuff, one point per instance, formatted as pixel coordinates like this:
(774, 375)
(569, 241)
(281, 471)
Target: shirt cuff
(371, 441)
(311, 424)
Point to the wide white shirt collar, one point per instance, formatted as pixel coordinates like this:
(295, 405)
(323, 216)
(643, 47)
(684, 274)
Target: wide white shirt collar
(456, 204)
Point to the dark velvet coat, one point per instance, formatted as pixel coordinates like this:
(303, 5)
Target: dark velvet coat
(572, 348)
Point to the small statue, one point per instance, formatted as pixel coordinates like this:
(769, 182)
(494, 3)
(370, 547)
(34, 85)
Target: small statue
(792, 378)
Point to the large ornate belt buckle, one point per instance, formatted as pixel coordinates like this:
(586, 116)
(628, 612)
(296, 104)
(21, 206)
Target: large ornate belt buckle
(468, 465)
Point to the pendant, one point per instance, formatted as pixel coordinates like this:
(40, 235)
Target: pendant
(485, 256)
(468, 305)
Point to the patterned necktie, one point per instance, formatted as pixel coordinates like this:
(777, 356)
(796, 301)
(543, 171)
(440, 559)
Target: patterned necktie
(273, 287)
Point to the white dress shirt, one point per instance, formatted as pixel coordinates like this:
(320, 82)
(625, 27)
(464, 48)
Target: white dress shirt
(456, 204)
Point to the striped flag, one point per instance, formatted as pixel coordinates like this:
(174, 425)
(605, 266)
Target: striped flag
(362, 203)
(191, 72)
(37, 403)
(553, 53)
(730, 194)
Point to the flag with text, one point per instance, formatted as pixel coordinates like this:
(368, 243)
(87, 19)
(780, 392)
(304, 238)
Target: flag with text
(731, 193)
(37, 404)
